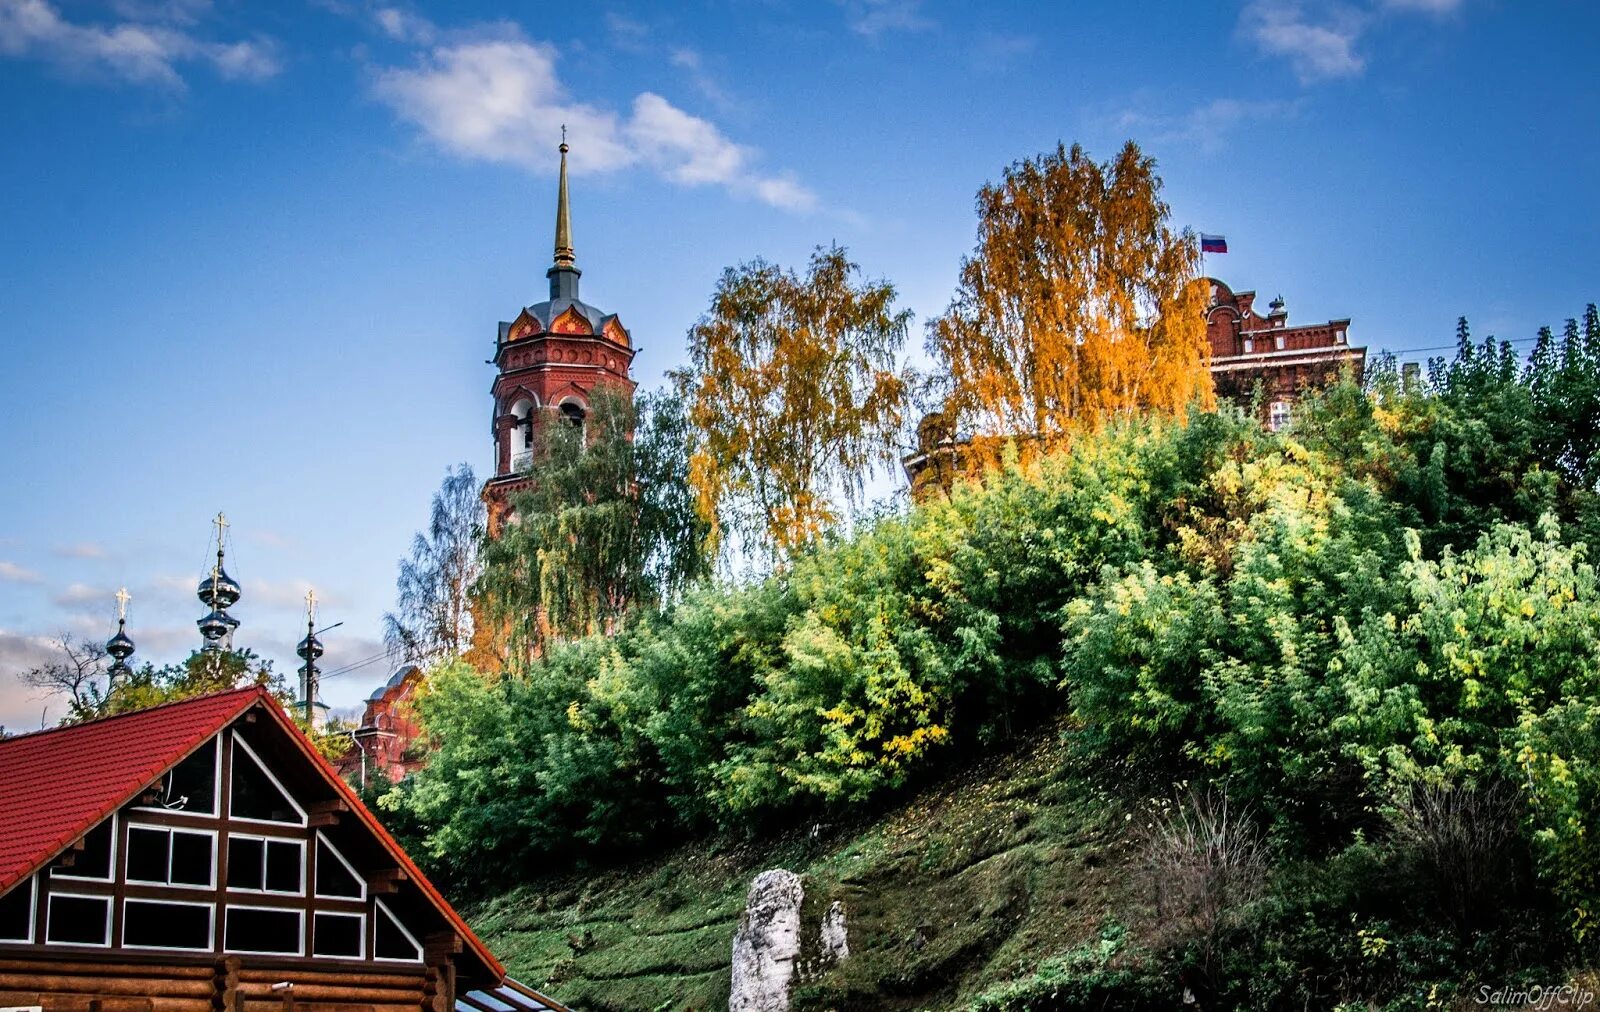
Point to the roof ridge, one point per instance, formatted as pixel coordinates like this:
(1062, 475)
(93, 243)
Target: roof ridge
(35, 735)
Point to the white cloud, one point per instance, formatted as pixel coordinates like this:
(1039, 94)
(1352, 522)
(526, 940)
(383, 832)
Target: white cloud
(500, 100)
(1425, 6)
(1317, 48)
(138, 50)
(1209, 127)
(82, 593)
(13, 573)
(874, 17)
(404, 26)
(693, 66)
(81, 550)
(626, 33)
(1320, 38)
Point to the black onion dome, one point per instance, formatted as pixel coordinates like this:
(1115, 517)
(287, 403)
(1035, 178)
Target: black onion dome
(120, 646)
(219, 592)
(215, 625)
(309, 646)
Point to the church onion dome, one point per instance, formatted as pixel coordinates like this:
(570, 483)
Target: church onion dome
(220, 591)
(310, 648)
(120, 646)
(216, 625)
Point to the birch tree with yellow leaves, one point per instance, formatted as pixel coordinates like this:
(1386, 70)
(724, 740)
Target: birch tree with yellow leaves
(796, 392)
(1079, 304)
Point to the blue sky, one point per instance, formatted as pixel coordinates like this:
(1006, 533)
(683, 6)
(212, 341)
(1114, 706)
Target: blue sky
(252, 256)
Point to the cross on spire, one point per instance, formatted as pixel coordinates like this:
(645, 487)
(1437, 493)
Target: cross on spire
(311, 606)
(123, 597)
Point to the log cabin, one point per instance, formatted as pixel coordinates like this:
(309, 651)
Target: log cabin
(202, 856)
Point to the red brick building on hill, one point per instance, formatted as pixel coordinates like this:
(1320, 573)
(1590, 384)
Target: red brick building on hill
(387, 739)
(549, 361)
(1249, 349)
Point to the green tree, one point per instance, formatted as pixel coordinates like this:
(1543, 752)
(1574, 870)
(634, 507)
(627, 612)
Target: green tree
(606, 526)
(795, 393)
(433, 614)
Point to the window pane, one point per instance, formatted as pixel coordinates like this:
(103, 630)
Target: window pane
(333, 878)
(263, 930)
(245, 862)
(192, 784)
(337, 935)
(166, 925)
(94, 860)
(191, 859)
(16, 911)
(254, 795)
(147, 854)
(390, 942)
(283, 866)
(79, 920)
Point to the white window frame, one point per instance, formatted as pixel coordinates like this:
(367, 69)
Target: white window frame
(403, 930)
(1279, 414)
(239, 743)
(361, 935)
(264, 891)
(216, 784)
(33, 914)
(361, 883)
(211, 932)
(49, 915)
(300, 915)
(116, 845)
(169, 830)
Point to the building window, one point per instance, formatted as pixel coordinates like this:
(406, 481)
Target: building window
(79, 920)
(572, 414)
(16, 912)
(264, 930)
(256, 795)
(1279, 342)
(1338, 337)
(1278, 415)
(335, 876)
(190, 786)
(93, 862)
(339, 935)
(176, 857)
(521, 435)
(391, 940)
(147, 924)
(1249, 345)
(259, 864)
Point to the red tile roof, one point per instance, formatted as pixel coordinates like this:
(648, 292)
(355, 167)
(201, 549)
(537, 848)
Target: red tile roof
(56, 785)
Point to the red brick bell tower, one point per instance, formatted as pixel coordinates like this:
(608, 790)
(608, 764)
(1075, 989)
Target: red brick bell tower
(549, 360)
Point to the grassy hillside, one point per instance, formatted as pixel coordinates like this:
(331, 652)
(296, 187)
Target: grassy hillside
(969, 884)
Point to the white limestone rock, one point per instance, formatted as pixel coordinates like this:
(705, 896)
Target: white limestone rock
(767, 943)
(835, 940)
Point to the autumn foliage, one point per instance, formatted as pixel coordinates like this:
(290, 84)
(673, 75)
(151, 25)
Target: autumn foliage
(1079, 304)
(796, 393)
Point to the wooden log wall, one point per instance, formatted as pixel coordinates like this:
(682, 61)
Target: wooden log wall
(223, 987)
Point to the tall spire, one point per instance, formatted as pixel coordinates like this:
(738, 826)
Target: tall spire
(563, 272)
(565, 257)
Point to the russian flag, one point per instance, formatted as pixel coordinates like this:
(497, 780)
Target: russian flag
(1213, 243)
